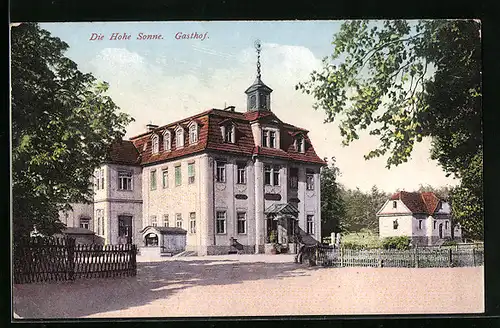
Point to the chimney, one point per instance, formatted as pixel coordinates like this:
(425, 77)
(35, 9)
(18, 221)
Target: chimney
(150, 127)
(230, 108)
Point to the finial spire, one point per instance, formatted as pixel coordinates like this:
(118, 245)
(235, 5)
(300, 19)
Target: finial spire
(258, 47)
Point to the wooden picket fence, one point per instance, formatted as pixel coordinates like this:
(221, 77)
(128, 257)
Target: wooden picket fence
(59, 259)
(420, 257)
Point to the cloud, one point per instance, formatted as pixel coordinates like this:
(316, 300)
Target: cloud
(164, 89)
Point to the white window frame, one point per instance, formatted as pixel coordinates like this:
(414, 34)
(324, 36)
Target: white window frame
(419, 224)
(178, 168)
(125, 180)
(310, 224)
(272, 139)
(274, 172)
(228, 133)
(152, 180)
(167, 140)
(84, 221)
(221, 216)
(155, 144)
(102, 178)
(154, 221)
(97, 177)
(266, 138)
(192, 222)
(309, 180)
(179, 137)
(191, 175)
(193, 133)
(238, 220)
(241, 173)
(164, 178)
(220, 173)
(178, 220)
(300, 144)
(166, 222)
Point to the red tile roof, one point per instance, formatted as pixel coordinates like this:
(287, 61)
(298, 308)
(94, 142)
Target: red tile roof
(123, 152)
(421, 203)
(210, 138)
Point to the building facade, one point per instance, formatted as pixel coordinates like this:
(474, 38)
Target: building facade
(230, 179)
(423, 217)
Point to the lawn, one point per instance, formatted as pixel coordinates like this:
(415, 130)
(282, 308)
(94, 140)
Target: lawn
(363, 238)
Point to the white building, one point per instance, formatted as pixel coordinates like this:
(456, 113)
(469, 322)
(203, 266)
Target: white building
(231, 179)
(422, 216)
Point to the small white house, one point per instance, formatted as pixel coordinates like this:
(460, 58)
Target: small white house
(419, 215)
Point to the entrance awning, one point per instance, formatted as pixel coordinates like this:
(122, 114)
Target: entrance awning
(282, 209)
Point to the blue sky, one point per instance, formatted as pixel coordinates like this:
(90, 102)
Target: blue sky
(161, 81)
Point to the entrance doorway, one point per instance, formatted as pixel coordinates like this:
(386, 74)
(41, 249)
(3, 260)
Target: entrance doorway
(125, 228)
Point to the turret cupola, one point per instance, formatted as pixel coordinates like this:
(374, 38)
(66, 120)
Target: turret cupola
(258, 94)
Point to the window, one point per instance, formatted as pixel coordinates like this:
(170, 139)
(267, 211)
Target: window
(262, 101)
(229, 133)
(152, 179)
(84, 223)
(299, 144)
(125, 180)
(124, 225)
(309, 180)
(395, 224)
(435, 224)
(165, 220)
(241, 178)
(265, 137)
(154, 222)
(178, 220)
(179, 138)
(272, 139)
(191, 173)
(102, 178)
(242, 222)
(99, 213)
(193, 133)
(253, 101)
(221, 222)
(97, 181)
(221, 171)
(178, 175)
(167, 142)
(446, 224)
(420, 224)
(394, 204)
(294, 178)
(272, 175)
(310, 224)
(155, 144)
(192, 222)
(164, 178)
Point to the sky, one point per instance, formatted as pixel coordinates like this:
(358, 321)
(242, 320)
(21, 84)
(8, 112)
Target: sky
(166, 79)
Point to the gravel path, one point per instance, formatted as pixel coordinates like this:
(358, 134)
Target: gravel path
(255, 286)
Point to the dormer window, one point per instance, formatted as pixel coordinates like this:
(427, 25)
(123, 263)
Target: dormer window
(270, 138)
(167, 140)
(300, 144)
(228, 133)
(193, 133)
(179, 137)
(155, 141)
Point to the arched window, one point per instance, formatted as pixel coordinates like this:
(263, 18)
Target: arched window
(155, 144)
(179, 138)
(193, 133)
(167, 142)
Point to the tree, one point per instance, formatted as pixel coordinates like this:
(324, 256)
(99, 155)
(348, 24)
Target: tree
(63, 124)
(405, 81)
(443, 192)
(332, 206)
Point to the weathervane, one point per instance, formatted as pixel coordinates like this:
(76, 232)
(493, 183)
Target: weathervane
(258, 47)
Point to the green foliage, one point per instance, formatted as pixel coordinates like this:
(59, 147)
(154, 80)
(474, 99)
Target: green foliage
(361, 240)
(401, 243)
(361, 209)
(62, 126)
(402, 82)
(332, 205)
(449, 243)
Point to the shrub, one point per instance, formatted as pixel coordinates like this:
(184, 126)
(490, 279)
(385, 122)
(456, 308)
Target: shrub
(449, 243)
(352, 245)
(401, 243)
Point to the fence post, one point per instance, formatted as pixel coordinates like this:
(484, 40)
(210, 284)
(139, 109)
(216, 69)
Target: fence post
(416, 257)
(133, 260)
(473, 257)
(71, 258)
(450, 257)
(341, 257)
(380, 264)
